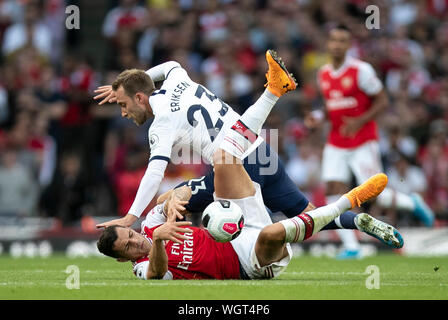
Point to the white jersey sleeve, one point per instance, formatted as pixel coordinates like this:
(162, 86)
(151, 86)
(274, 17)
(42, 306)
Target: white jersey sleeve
(161, 138)
(161, 135)
(162, 71)
(368, 80)
(155, 217)
(149, 185)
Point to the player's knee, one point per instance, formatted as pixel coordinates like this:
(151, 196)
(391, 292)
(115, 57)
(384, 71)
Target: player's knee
(272, 234)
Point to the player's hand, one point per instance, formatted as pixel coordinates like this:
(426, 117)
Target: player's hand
(126, 221)
(351, 126)
(172, 230)
(174, 206)
(106, 93)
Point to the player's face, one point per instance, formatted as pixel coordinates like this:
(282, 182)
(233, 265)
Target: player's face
(130, 244)
(338, 43)
(132, 108)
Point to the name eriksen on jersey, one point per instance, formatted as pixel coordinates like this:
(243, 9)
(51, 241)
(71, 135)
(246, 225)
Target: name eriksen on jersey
(175, 97)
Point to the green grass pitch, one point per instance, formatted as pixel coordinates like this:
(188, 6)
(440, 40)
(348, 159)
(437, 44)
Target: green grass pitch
(306, 278)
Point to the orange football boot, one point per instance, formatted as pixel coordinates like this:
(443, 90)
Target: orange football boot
(368, 190)
(280, 81)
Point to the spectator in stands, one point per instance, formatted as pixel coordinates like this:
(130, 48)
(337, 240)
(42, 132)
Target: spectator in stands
(434, 161)
(128, 15)
(67, 198)
(221, 43)
(122, 25)
(128, 178)
(32, 32)
(18, 188)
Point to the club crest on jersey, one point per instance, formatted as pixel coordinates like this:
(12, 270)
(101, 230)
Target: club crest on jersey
(325, 85)
(346, 82)
(153, 140)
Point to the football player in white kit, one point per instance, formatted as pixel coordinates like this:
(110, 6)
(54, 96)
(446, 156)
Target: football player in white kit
(189, 117)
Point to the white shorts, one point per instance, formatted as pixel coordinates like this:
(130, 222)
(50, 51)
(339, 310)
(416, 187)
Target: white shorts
(338, 164)
(256, 217)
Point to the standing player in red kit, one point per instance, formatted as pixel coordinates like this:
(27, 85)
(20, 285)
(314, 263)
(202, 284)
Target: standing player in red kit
(354, 97)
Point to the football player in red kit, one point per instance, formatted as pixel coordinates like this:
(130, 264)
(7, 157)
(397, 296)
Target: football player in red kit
(354, 97)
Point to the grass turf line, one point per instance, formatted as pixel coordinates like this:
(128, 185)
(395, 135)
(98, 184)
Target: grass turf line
(305, 278)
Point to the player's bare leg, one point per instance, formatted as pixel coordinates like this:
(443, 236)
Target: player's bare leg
(269, 246)
(231, 179)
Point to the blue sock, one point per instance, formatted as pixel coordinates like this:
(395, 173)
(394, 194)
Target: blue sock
(346, 220)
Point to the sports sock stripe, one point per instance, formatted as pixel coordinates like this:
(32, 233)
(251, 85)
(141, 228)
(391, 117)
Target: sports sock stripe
(242, 129)
(234, 143)
(309, 224)
(296, 223)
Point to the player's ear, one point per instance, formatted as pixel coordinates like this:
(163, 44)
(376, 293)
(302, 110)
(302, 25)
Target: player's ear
(140, 97)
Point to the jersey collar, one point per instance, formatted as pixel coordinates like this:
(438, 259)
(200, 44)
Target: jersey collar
(342, 68)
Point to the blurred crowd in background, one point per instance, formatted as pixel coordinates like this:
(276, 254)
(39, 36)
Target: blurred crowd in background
(64, 156)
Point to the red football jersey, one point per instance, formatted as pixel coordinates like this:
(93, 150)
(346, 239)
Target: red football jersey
(199, 257)
(347, 93)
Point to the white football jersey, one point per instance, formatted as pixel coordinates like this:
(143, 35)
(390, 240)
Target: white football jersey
(189, 124)
(187, 117)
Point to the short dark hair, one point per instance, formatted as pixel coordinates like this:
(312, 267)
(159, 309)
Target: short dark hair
(106, 242)
(133, 81)
(341, 26)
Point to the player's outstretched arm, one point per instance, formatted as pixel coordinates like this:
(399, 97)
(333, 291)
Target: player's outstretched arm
(158, 259)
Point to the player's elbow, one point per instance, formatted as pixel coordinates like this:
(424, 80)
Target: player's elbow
(156, 277)
(186, 193)
(173, 64)
(157, 274)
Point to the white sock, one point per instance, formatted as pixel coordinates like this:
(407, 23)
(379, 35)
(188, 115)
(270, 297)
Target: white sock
(331, 199)
(255, 116)
(245, 131)
(348, 237)
(306, 224)
(390, 198)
